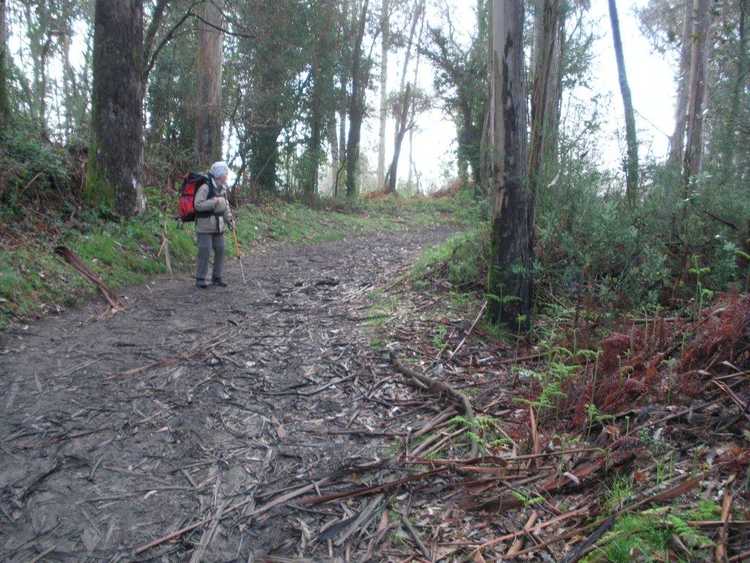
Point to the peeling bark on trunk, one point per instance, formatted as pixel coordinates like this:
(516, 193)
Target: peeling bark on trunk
(208, 114)
(631, 165)
(116, 156)
(510, 283)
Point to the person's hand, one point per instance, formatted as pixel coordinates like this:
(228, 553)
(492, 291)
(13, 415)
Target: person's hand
(231, 225)
(220, 206)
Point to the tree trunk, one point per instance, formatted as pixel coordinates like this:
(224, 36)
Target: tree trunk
(631, 165)
(414, 109)
(316, 123)
(116, 154)
(403, 123)
(510, 284)
(547, 22)
(208, 114)
(322, 76)
(401, 127)
(547, 90)
(677, 141)
(356, 105)
(696, 95)
(732, 124)
(4, 102)
(333, 141)
(385, 37)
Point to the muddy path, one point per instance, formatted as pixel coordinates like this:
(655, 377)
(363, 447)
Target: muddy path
(196, 407)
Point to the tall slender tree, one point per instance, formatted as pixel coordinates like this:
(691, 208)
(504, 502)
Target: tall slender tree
(740, 80)
(322, 86)
(677, 140)
(208, 108)
(631, 164)
(4, 102)
(359, 76)
(405, 101)
(115, 166)
(692, 159)
(414, 109)
(543, 106)
(385, 34)
(510, 284)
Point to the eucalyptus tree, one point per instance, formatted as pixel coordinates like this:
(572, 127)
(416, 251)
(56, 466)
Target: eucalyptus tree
(631, 162)
(208, 106)
(461, 83)
(510, 283)
(406, 99)
(361, 65)
(4, 98)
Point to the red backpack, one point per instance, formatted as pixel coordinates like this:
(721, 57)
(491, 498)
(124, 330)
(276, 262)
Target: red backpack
(189, 189)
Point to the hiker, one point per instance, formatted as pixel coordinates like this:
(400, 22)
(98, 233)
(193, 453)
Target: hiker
(213, 216)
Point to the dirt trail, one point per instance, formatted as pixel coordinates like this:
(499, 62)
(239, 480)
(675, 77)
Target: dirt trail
(109, 441)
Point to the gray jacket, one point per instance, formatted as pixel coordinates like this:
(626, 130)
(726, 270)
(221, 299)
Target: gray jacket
(217, 222)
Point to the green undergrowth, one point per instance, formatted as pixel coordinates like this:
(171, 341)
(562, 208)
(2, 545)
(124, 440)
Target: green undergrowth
(35, 282)
(461, 261)
(652, 535)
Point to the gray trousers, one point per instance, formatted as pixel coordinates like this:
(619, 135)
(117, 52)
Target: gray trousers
(205, 243)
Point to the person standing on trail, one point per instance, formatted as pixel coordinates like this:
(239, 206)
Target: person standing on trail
(213, 217)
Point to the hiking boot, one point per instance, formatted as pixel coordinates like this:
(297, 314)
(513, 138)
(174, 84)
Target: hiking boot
(201, 285)
(218, 283)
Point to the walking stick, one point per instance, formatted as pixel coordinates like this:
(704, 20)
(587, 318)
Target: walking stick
(238, 252)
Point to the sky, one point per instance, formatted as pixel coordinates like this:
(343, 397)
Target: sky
(651, 78)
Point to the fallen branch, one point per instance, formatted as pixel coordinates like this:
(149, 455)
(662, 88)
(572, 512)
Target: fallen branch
(471, 329)
(70, 257)
(364, 491)
(460, 400)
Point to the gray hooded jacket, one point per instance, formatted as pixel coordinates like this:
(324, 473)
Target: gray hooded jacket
(216, 223)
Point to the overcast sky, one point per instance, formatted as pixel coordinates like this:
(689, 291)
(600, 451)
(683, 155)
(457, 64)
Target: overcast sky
(651, 78)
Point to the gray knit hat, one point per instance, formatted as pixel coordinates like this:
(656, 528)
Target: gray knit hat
(219, 169)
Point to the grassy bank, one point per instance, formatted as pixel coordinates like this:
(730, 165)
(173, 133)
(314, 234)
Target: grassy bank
(34, 282)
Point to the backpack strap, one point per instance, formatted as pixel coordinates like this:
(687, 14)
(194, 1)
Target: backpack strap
(211, 186)
(208, 180)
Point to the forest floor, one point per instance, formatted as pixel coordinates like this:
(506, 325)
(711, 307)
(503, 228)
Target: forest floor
(341, 406)
(219, 409)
